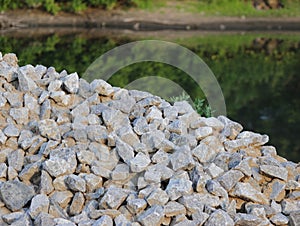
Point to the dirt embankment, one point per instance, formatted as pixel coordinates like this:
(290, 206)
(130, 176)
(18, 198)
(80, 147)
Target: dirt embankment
(141, 20)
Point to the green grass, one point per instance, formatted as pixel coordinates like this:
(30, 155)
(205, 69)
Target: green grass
(236, 8)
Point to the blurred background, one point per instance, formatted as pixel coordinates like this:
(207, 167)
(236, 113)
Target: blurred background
(252, 47)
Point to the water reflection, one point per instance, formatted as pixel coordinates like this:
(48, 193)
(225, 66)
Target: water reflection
(258, 73)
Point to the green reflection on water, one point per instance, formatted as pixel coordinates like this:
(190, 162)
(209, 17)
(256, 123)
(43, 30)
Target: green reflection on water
(259, 74)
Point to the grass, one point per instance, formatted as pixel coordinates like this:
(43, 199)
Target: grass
(235, 8)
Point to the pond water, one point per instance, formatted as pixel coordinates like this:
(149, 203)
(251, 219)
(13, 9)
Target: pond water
(259, 73)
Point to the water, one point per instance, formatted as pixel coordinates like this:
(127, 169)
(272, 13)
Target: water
(259, 73)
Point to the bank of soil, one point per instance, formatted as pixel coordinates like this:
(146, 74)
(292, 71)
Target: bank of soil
(144, 20)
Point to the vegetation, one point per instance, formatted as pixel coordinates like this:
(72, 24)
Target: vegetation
(259, 74)
(205, 7)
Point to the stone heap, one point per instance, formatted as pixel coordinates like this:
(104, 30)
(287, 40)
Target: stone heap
(74, 153)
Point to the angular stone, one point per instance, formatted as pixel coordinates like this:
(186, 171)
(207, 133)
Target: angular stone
(219, 217)
(11, 131)
(242, 219)
(46, 186)
(15, 194)
(179, 187)
(54, 85)
(289, 206)
(182, 159)
(77, 204)
(158, 197)
(120, 173)
(113, 198)
(12, 217)
(279, 219)
(139, 163)
(294, 218)
(136, 206)
(61, 98)
(213, 170)
(75, 183)
(152, 216)
(229, 179)
(231, 128)
(44, 219)
(104, 220)
(3, 138)
(203, 132)
(3, 170)
(20, 115)
(29, 171)
(127, 135)
(62, 198)
(125, 151)
(101, 87)
(62, 161)
(63, 222)
(49, 129)
(39, 203)
(16, 159)
(93, 182)
(275, 190)
(71, 83)
(274, 171)
(244, 140)
(174, 208)
(26, 84)
(246, 191)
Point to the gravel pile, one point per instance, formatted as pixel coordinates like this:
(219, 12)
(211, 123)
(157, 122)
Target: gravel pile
(74, 153)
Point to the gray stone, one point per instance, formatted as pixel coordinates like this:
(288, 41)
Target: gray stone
(216, 189)
(62, 161)
(75, 183)
(179, 187)
(20, 115)
(45, 110)
(61, 98)
(246, 191)
(3, 170)
(152, 216)
(54, 85)
(209, 122)
(63, 222)
(231, 128)
(275, 190)
(62, 198)
(242, 219)
(3, 138)
(153, 113)
(15, 194)
(229, 179)
(16, 159)
(71, 83)
(158, 197)
(101, 87)
(113, 198)
(182, 159)
(15, 98)
(289, 206)
(26, 84)
(213, 170)
(120, 173)
(93, 182)
(174, 208)
(125, 151)
(279, 219)
(11, 131)
(29, 171)
(44, 219)
(219, 217)
(46, 186)
(203, 132)
(127, 135)
(139, 163)
(39, 203)
(49, 129)
(136, 206)
(77, 204)
(274, 171)
(103, 221)
(12, 217)
(294, 218)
